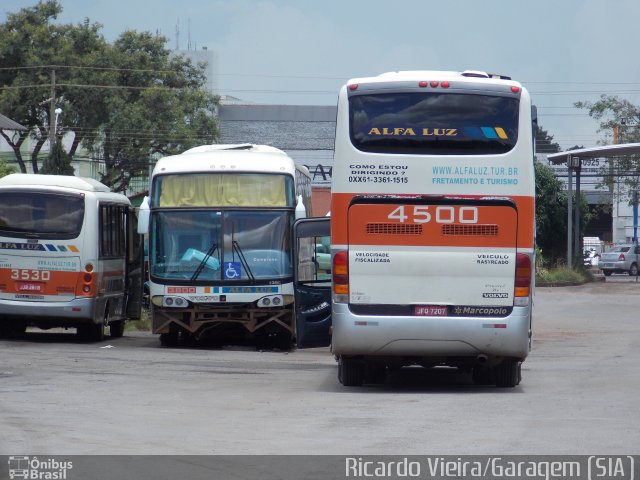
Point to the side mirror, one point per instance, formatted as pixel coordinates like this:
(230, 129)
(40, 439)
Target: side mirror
(143, 217)
(301, 211)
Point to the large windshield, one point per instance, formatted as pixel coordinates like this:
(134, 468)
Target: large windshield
(433, 123)
(41, 214)
(222, 245)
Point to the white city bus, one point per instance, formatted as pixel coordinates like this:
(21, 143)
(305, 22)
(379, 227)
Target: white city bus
(432, 225)
(70, 256)
(219, 225)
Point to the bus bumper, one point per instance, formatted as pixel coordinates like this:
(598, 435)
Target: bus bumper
(423, 337)
(79, 311)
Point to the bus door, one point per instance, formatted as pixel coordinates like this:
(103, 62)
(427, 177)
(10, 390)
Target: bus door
(134, 267)
(312, 282)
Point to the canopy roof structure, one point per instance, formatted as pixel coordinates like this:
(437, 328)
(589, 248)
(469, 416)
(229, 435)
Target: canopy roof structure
(7, 124)
(595, 152)
(573, 159)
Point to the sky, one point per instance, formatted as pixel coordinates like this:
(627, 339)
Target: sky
(299, 52)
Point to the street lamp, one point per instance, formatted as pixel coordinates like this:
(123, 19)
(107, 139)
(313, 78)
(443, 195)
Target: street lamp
(57, 111)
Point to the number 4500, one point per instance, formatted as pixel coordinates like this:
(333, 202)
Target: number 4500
(441, 214)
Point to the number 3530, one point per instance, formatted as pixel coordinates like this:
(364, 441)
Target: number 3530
(439, 214)
(33, 275)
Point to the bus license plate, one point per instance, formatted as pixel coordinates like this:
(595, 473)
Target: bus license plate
(30, 287)
(431, 310)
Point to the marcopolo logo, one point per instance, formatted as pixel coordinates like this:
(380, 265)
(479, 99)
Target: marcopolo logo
(38, 469)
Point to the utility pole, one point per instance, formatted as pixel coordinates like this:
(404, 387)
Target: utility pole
(569, 212)
(52, 112)
(634, 200)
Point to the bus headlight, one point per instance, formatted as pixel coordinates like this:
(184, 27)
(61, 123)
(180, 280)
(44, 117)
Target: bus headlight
(271, 301)
(174, 302)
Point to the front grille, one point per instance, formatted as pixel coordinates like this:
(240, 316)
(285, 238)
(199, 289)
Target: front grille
(393, 229)
(471, 230)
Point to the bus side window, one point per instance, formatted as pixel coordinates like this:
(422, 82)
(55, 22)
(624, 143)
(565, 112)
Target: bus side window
(314, 260)
(322, 258)
(112, 230)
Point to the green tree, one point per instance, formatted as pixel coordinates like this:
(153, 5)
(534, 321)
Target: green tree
(551, 214)
(58, 162)
(125, 102)
(544, 142)
(6, 169)
(160, 108)
(30, 46)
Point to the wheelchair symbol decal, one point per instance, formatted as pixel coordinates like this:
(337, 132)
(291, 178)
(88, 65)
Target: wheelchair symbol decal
(232, 270)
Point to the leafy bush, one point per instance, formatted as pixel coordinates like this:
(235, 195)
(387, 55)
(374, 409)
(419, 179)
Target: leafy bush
(562, 275)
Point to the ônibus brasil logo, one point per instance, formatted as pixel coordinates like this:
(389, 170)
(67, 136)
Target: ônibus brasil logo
(33, 468)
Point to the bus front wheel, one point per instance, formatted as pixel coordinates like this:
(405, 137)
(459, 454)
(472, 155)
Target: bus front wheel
(350, 372)
(91, 333)
(116, 329)
(169, 339)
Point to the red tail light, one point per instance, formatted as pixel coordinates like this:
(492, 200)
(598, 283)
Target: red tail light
(621, 257)
(85, 285)
(523, 275)
(341, 273)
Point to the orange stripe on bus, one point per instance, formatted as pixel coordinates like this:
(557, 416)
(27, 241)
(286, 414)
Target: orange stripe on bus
(494, 226)
(58, 283)
(343, 234)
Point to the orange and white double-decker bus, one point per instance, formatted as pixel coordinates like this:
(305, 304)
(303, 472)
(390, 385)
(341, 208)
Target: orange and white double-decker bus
(432, 225)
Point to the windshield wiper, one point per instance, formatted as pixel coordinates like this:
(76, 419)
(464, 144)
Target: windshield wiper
(203, 262)
(237, 249)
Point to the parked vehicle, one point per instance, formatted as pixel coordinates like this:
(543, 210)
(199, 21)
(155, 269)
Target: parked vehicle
(593, 244)
(71, 256)
(620, 259)
(591, 258)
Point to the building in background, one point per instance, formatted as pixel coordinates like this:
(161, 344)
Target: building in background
(208, 58)
(304, 132)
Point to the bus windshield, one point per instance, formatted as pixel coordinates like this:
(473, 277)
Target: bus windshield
(224, 190)
(433, 123)
(45, 215)
(221, 245)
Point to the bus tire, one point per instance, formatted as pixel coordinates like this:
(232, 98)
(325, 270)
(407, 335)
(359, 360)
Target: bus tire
(12, 330)
(169, 339)
(375, 373)
(5, 331)
(350, 372)
(482, 375)
(91, 333)
(116, 329)
(507, 373)
(284, 342)
(96, 332)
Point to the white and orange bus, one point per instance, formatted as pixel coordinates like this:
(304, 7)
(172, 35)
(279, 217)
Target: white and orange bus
(219, 220)
(70, 256)
(432, 225)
